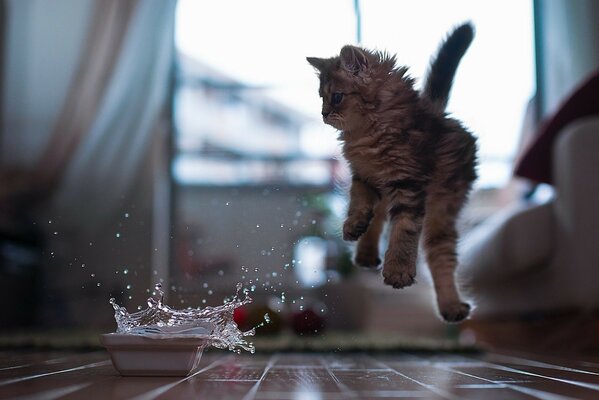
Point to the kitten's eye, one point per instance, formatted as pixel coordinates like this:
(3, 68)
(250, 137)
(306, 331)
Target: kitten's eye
(336, 98)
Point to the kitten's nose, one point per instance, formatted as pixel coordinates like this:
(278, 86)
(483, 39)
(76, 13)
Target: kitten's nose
(325, 114)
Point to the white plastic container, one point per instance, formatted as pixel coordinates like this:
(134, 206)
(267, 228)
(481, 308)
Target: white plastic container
(155, 354)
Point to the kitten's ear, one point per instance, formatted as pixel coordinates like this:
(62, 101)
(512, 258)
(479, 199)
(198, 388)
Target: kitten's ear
(353, 59)
(318, 63)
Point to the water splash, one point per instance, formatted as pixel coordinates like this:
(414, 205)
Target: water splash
(160, 318)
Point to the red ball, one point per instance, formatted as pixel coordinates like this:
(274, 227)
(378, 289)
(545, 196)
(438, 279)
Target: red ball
(307, 322)
(252, 316)
(240, 316)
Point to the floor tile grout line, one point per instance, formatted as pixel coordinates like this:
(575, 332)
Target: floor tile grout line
(52, 361)
(568, 381)
(589, 364)
(254, 389)
(26, 378)
(152, 394)
(55, 393)
(343, 387)
(519, 371)
(534, 356)
(542, 395)
(432, 388)
(16, 367)
(540, 364)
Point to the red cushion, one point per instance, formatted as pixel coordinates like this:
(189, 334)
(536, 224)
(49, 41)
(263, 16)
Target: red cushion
(536, 161)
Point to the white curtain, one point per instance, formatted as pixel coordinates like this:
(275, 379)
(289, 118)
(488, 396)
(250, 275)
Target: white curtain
(86, 94)
(107, 161)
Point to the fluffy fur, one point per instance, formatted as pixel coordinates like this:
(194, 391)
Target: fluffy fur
(410, 162)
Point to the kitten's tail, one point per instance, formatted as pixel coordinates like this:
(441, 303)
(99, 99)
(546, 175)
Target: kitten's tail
(439, 78)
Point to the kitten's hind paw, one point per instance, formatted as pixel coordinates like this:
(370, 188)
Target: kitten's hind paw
(398, 279)
(455, 312)
(353, 228)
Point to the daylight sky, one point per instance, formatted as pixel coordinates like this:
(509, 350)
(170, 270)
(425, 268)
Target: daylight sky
(265, 42)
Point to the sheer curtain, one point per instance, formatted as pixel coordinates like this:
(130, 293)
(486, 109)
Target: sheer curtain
(129, 115)
(85, 96)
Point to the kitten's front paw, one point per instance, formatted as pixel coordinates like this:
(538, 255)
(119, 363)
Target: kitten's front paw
(354, 227)
(398, 279)
(455, 312)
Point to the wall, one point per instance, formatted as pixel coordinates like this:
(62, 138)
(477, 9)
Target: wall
(227, 228)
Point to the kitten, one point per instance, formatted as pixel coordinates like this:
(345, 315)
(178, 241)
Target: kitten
(410, 162)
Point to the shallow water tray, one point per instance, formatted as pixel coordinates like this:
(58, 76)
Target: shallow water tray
(155, 354)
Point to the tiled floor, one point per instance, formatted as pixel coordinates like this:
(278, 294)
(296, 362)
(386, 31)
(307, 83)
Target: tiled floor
(489, 376)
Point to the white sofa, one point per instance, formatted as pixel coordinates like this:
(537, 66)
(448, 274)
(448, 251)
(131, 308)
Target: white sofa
(542, 257)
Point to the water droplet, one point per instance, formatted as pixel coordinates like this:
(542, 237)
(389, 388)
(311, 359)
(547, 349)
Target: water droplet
(82, 265)
(56, 233)
(118, 235)
(125, 271)
(210, 292)
(128, 286)
(205, 285)
(98, 284)
(92, 275)
(126, 215)
(221, 272)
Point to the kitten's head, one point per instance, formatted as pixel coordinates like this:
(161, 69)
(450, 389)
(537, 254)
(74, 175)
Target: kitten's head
(352, 84)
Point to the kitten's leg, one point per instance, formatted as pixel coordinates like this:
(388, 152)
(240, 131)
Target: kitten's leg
(406, 212)
(367, 251)
(361, 204)
(440, 240)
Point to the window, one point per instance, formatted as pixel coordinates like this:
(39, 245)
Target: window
(256, 171)
(253, 53)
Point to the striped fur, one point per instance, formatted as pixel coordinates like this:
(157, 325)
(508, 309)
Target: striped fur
(412, 164)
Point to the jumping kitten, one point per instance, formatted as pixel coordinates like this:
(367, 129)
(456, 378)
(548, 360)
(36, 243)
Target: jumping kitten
(410, 162)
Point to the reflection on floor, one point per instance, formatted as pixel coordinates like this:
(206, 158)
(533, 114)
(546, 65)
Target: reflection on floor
(307, 376)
